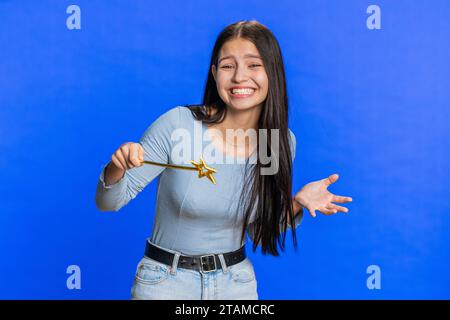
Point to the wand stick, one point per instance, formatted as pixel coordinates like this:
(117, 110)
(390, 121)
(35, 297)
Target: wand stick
(198, 166)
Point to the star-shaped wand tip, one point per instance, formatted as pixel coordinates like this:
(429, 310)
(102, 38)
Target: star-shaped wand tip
(209, 171)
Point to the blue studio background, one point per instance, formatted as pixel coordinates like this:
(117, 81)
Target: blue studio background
(369, 104)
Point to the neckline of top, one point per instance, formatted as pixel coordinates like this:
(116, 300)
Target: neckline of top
(205, 128)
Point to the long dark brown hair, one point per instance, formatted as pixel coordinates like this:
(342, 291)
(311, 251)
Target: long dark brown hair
(267, 197)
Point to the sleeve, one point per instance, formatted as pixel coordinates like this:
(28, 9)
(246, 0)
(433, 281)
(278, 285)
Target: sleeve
(299, 217)
(157, 145)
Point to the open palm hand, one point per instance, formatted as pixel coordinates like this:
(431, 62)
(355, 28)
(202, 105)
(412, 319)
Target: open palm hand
(315, 196)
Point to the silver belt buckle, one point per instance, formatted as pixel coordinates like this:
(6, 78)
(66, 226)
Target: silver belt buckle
(202, 263)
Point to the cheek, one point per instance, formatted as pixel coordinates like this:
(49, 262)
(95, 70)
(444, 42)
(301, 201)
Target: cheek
(222, 80)
(262, 79)
(263, 83)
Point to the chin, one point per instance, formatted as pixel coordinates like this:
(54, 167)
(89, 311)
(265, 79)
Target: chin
(244, 105)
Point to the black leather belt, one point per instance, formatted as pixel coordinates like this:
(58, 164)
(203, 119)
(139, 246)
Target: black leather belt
(203, 264)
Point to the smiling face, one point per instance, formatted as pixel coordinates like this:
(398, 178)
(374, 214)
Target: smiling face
(241, 78)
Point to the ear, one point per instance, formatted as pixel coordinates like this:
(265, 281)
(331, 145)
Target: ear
(213, 71)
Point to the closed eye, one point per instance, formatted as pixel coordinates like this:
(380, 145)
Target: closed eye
(251, 66)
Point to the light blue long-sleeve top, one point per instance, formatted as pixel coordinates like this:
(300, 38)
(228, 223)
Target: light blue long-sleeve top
(193, 216)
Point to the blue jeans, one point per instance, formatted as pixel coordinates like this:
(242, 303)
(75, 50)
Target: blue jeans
(155, 281)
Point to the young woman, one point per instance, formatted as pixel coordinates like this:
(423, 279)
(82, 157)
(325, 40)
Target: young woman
(197, 248)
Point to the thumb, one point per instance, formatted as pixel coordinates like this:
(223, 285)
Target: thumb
(331, 179)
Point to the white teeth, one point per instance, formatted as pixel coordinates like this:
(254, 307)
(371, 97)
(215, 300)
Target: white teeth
(243, 91)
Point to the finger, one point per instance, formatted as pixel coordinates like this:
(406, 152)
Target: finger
(122, 160)
(331, 179)
(341, 199)
(312, 212)
(117, 163)
(134, 153)
(119, 154)
(333, 206)
(120, 163)
(327, 211)
(125, 150)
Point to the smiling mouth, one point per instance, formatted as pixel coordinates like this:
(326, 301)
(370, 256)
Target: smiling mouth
(242, 93)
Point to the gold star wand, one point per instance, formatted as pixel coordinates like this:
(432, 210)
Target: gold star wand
(198, 166)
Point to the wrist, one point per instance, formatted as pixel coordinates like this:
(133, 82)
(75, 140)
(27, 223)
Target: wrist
(296, 206)
(299, 200)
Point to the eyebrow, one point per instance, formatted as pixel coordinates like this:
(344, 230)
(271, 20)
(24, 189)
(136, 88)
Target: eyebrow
(246, 56)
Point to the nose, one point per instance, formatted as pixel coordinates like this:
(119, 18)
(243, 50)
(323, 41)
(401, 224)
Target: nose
(239, 74)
